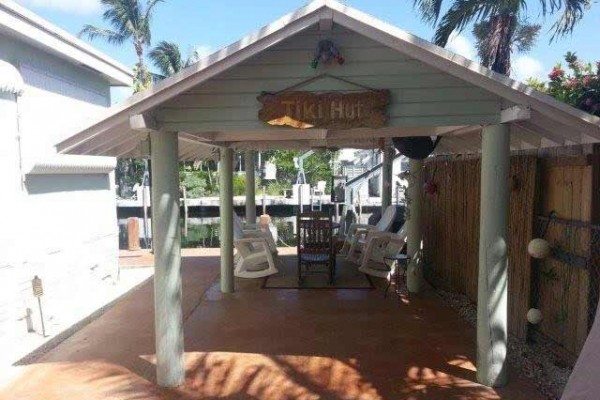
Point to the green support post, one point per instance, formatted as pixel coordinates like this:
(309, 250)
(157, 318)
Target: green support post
(414, 278)
(168, 314)
(492, 309)
(386, 177)
(250, 187)
(226, 217)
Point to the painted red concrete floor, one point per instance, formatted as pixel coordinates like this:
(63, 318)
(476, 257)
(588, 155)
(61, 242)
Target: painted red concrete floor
(270, 344)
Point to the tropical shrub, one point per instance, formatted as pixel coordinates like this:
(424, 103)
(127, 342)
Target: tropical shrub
(579, 86)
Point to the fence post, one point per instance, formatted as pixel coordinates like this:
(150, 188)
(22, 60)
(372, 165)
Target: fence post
(594, 288)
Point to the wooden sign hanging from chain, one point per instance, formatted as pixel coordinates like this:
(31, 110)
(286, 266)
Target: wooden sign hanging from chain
(331, 110)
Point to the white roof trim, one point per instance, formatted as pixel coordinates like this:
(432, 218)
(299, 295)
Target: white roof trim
(22, 23)
(361, 23)
(72, 164)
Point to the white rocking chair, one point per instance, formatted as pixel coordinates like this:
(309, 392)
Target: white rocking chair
(256, 251)
(372, 262)
(357, 232)
(255, 259)
(360, 247)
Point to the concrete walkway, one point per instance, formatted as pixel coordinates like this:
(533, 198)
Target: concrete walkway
(269, 344)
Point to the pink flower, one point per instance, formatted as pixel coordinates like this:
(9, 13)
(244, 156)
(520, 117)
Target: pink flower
(577, 65)
(588, 80)
(571, 83)
(556, 74)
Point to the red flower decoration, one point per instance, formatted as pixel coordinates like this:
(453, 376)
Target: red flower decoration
(556, 74)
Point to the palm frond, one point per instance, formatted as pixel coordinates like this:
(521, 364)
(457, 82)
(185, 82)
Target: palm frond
(525, 36)
(93, 32)
(166, 56)
(573, 13)
(461, 14)
(147, 18)
(429, 9)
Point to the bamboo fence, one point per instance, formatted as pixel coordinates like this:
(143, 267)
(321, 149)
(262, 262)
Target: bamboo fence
(451, 230)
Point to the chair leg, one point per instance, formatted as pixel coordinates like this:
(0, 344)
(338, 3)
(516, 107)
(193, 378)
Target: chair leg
(370, 281)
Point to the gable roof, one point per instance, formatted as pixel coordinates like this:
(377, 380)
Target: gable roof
(23, 24)
(549, 112)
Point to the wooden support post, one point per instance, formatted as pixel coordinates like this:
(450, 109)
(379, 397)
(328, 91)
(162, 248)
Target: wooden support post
(226, 217)
(133, 234)
(168, 315)
(492, 304)
(250, 187)
(386, 177)
(414, 277)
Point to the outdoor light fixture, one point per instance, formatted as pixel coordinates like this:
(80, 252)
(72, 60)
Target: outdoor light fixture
(534, 316)
(539, 248)
(38, 292)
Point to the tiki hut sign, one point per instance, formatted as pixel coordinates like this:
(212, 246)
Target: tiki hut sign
(330, 110)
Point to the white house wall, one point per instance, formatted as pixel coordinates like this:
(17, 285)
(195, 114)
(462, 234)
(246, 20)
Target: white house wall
(59, 98)
(421, 95)
(62, 227)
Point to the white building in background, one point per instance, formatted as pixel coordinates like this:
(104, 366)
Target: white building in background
(358, 161)
(58, 212)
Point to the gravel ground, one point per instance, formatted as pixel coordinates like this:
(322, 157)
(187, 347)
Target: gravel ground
(535, 360)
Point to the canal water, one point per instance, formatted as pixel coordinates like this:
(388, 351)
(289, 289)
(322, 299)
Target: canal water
(204, 232)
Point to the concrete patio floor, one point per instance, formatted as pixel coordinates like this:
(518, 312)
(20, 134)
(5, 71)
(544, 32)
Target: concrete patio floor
(269, 344)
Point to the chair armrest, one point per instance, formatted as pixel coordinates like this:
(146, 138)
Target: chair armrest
(251, 240)
(362, 226)
(378, 234)
(352, 230)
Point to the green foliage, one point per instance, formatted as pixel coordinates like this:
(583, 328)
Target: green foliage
(198, 178)
(276, 188)
(536, 84)
(579, 86)
(128, 172)
(142, 79)
(317, 167)
(239, 185)
(195, 183)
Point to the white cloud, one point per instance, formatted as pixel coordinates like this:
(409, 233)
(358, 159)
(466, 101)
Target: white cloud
(524, 67)
(462, 45)
(70, 6)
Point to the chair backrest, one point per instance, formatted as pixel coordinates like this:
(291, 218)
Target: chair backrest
(387, 219)
(403, 231)
(238, 227)
(314, 233)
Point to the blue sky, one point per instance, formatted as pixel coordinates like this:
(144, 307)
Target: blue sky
(209, 25)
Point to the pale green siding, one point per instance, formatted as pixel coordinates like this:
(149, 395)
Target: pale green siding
(421, 95)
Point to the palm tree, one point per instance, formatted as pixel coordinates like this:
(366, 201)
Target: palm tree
(166, 57)
(130, 20)
(522, 39)
(502, 19)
